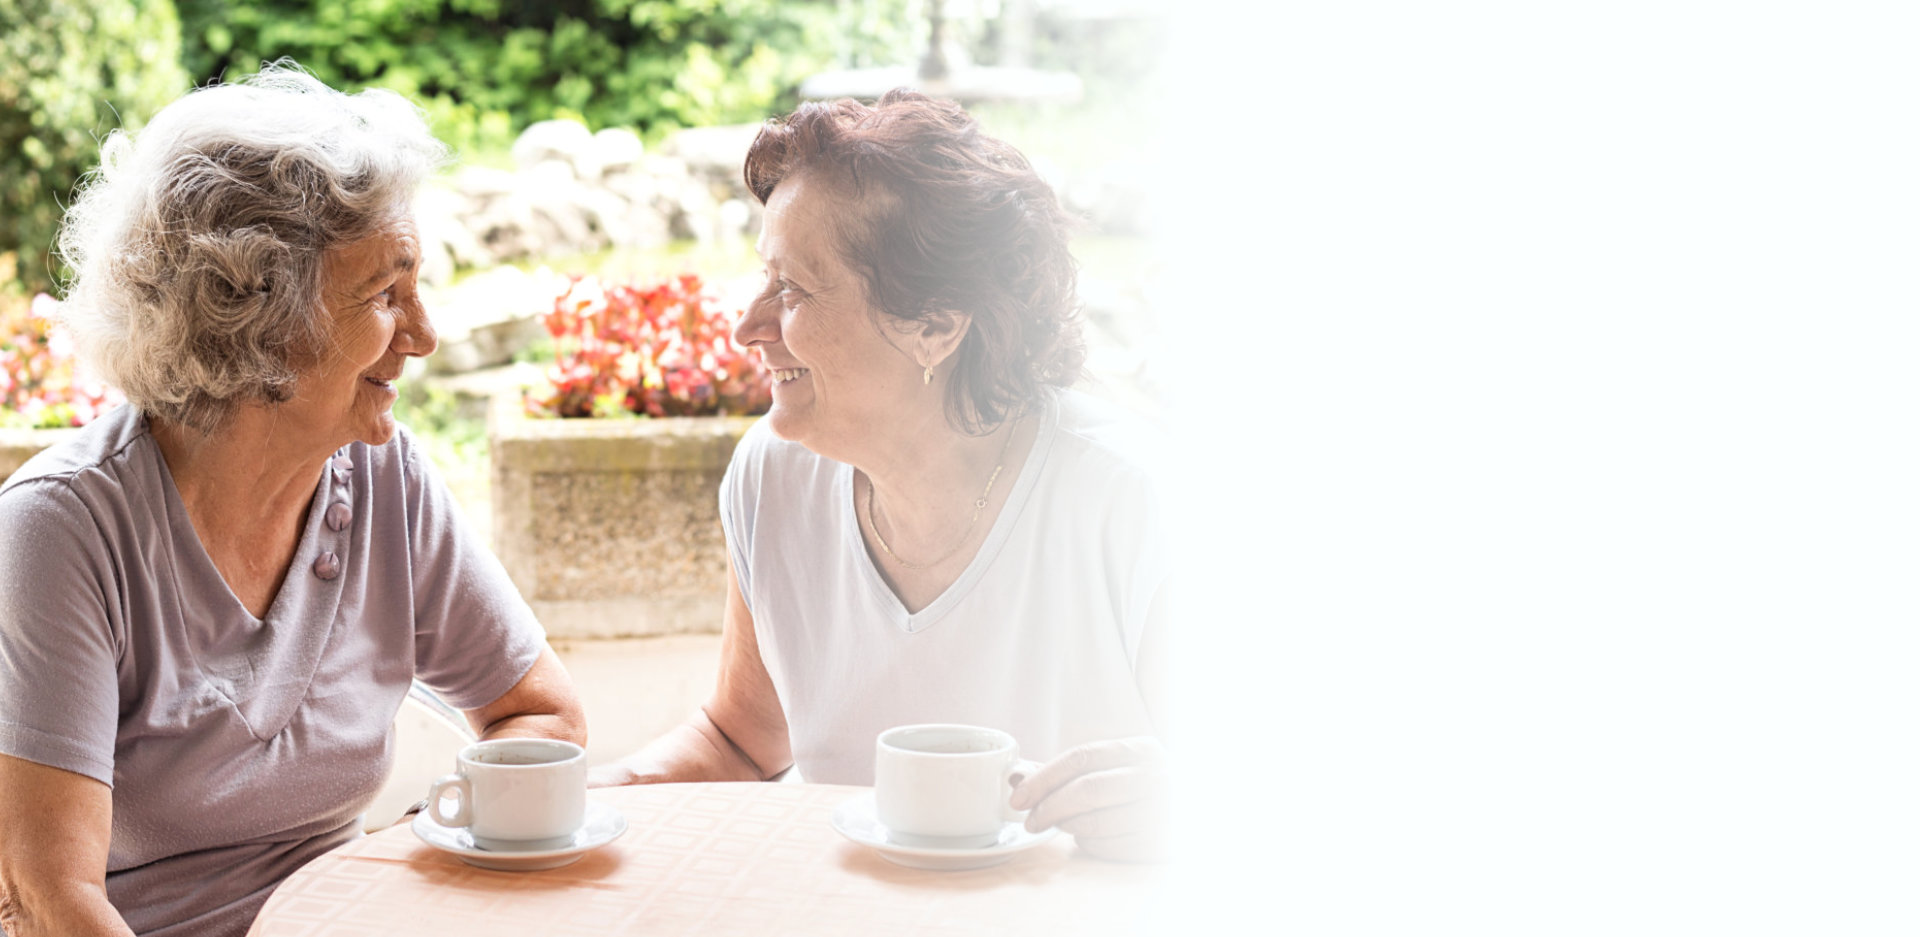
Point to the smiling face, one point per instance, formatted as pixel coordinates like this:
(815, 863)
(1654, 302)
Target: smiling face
(377, 321)
(837, 375)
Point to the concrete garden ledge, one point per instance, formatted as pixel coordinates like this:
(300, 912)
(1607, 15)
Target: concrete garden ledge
(611, 528)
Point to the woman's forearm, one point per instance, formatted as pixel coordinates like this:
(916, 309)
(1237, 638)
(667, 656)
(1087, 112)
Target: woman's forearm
(56, 832)
(542, 705)
(695, 750)
(538, 726)
(58, 911)
(752, 746)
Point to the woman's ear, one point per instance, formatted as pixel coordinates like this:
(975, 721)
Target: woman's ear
(939, 336)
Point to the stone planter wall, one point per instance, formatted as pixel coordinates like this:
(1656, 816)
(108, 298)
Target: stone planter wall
(611, 528)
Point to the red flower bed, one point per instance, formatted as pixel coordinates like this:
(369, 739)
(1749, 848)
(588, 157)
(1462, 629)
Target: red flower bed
(662, 350)
(39, 385)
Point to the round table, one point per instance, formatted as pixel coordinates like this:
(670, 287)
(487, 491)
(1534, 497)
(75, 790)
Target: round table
(712, 860)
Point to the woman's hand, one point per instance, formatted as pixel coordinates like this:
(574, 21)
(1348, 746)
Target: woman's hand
(1112, 796)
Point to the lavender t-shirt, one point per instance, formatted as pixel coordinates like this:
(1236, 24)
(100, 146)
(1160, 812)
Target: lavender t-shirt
(237, 748)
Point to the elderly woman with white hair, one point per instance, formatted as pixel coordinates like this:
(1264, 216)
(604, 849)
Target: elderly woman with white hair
(214, 599)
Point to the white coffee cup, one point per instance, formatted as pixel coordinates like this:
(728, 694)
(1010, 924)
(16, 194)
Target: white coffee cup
(945, 786)
(516, 795)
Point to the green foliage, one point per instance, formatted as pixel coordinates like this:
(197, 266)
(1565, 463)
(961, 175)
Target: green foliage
(487, 68)
(455, 429)
(69, 73)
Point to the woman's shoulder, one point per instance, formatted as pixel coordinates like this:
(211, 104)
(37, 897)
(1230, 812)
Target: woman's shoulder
(83, 493)
(1095, 436)
(109, 467)
(108, 445)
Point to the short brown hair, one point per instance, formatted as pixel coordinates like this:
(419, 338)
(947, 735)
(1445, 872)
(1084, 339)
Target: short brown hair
(949, 218)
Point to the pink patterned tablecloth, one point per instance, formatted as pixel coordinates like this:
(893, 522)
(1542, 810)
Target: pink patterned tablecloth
(712, 860)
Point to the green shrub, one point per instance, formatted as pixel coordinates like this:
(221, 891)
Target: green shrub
(69, 73)
(487, 68)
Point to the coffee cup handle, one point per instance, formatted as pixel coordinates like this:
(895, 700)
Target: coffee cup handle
(463, 792)
(1025, 769)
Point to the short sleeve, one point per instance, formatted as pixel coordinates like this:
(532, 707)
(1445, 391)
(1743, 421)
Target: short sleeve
(739, 494)
(474, 636)
(59, 684)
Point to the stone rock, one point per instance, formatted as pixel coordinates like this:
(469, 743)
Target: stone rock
(556, 198)
(647, 227)
(441, 215)
(630, 185)
(665, 168)
(733, 217)
(607, 212)
(436, 262)
(563, 140)
(694, 213)
(490, 316)
(506, 226)
(715, 151)
(576, 192)
(614, 149)
(481, 182)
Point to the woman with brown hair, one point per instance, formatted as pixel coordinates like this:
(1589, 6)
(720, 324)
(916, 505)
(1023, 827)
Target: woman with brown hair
(928, 526)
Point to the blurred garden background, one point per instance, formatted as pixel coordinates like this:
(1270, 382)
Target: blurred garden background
(597, 139)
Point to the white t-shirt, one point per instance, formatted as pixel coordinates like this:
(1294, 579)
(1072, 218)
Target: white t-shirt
(1037, 637)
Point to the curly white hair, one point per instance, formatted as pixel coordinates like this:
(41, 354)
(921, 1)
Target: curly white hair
(198, 245)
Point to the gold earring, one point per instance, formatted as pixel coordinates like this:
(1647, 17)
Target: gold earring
(926, 377)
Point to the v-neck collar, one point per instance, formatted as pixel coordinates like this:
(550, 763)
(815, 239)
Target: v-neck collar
(914, 622)
(262, 666)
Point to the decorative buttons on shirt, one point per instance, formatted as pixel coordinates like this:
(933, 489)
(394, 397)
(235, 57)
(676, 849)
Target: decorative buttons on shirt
(338, 516)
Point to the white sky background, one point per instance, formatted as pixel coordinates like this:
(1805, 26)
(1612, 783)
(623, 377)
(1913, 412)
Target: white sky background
(1554, 384)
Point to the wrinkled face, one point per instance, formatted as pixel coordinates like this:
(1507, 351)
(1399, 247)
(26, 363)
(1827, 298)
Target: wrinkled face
(837, 376)
(377, 322)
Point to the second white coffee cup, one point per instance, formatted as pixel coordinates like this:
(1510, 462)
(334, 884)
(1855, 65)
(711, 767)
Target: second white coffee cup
(945, 786)
(515, 795)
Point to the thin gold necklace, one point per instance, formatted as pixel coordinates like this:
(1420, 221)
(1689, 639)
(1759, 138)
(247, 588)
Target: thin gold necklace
(979, 504)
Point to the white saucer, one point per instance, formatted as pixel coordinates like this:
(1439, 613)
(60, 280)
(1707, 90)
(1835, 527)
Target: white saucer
(604, 825)
(857, 821)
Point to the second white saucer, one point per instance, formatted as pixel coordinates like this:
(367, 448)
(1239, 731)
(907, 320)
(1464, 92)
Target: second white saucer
(857, 820)
(603, 825)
